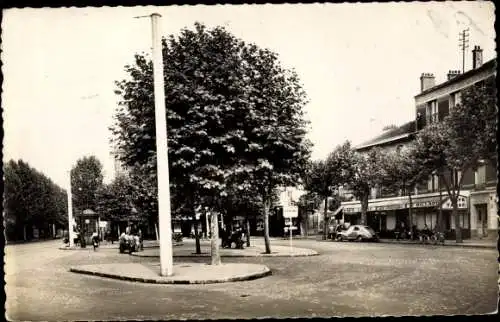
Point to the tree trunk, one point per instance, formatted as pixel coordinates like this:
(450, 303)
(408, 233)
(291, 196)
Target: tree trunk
(306, 224)
(266, 226)
(24, 233)
(325, 220)
(456, 215)
(215, 255)
(440, 226)
(410, 211)
(197, 236)
(364, 209)
(248, 231)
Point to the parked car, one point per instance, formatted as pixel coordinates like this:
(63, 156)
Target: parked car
(358, 233)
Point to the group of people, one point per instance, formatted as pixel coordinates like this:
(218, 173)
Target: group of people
(132, 238)
(231, 235)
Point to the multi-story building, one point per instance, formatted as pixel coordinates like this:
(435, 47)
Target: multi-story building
(478, 200)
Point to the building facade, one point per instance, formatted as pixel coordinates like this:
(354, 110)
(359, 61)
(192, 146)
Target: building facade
(388, 210)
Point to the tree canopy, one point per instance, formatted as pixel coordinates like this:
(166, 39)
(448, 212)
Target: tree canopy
(234, 115)
(86, 180)
(31, 198)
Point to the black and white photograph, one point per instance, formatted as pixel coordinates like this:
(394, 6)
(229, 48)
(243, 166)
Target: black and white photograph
(247, 161)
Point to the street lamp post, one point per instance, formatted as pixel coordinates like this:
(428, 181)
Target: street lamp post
(70, 212)
(164, 217)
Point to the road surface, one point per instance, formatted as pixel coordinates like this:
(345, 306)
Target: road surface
(347, 279)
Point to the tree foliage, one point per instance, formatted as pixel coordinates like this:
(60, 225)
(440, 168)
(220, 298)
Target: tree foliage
(323, 178)
(115, 200)
(235, 120)
(365, 174)
(86, 181)
(31, 198)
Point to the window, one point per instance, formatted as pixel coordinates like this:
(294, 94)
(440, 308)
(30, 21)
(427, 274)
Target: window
(455, 98)
(434, 112)
(435, 182)
(480, 175)
(430, 184)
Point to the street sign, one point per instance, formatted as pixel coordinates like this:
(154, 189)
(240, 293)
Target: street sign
(290, 212)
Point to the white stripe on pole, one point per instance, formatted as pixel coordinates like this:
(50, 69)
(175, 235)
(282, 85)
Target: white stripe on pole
(164, 218)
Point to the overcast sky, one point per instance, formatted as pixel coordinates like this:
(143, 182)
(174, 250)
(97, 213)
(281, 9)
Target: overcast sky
(359, 64)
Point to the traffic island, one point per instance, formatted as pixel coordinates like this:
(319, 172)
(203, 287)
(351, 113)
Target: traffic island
(254, 251)
(184, 273)
(116, 245)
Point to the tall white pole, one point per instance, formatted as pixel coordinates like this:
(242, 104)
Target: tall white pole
(164, 218)
(70, 212)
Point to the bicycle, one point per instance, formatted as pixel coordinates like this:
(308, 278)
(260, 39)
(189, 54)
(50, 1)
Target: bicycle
(438, 238)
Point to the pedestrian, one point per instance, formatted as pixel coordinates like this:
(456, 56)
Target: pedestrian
(95, 240)
(141, 245)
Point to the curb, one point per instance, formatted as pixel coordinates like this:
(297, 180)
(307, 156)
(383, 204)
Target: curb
(441, 245)
(492, 246)
(114, 248)
(249, 277)
(236, 256)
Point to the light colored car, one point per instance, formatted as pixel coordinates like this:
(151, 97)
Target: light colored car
(358, 233)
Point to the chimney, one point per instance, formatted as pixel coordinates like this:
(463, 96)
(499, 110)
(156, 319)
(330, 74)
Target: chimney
(477, 57)
(453, 74)
(427, 81)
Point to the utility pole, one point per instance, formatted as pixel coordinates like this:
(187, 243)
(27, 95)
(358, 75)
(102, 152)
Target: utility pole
(463, 44)
(70, 212)
(164, 216)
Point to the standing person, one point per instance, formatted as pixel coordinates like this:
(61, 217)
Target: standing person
(95, 240)
(141, 245)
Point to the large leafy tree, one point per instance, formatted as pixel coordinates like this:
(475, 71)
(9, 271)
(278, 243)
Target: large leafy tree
(401, 170)
(115, 199)
(233, 116)
(31, 198)
(459, 142)
(307, 203)
(325, 177)
(86, 181)
(365, 174)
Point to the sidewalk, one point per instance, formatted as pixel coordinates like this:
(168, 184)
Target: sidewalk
(183, 273)
(466, 243)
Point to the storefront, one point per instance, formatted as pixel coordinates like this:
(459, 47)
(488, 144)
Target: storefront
(483, 214)
(388, 214)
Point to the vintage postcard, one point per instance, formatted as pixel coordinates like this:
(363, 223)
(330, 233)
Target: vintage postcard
(250, 161)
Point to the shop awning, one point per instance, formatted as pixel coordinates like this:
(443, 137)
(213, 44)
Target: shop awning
(404, 203)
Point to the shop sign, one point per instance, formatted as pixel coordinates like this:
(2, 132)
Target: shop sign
(423, 204)
(290, 212)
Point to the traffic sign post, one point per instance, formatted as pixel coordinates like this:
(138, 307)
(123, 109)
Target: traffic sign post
(290, 212)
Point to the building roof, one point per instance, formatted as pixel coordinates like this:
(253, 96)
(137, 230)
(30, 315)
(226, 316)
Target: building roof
(389, 136)
(490, 64)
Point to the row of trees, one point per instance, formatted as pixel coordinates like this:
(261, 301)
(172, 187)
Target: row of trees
(31, 200)
(235, 125)
(447, 149)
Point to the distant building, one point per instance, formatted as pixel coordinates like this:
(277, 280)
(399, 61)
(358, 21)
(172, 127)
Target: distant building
(478, 199)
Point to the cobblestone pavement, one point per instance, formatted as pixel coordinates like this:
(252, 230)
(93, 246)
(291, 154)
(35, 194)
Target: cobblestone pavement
(346, 279)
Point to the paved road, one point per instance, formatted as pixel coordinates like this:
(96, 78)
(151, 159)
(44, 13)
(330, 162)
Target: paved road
(347, 279)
